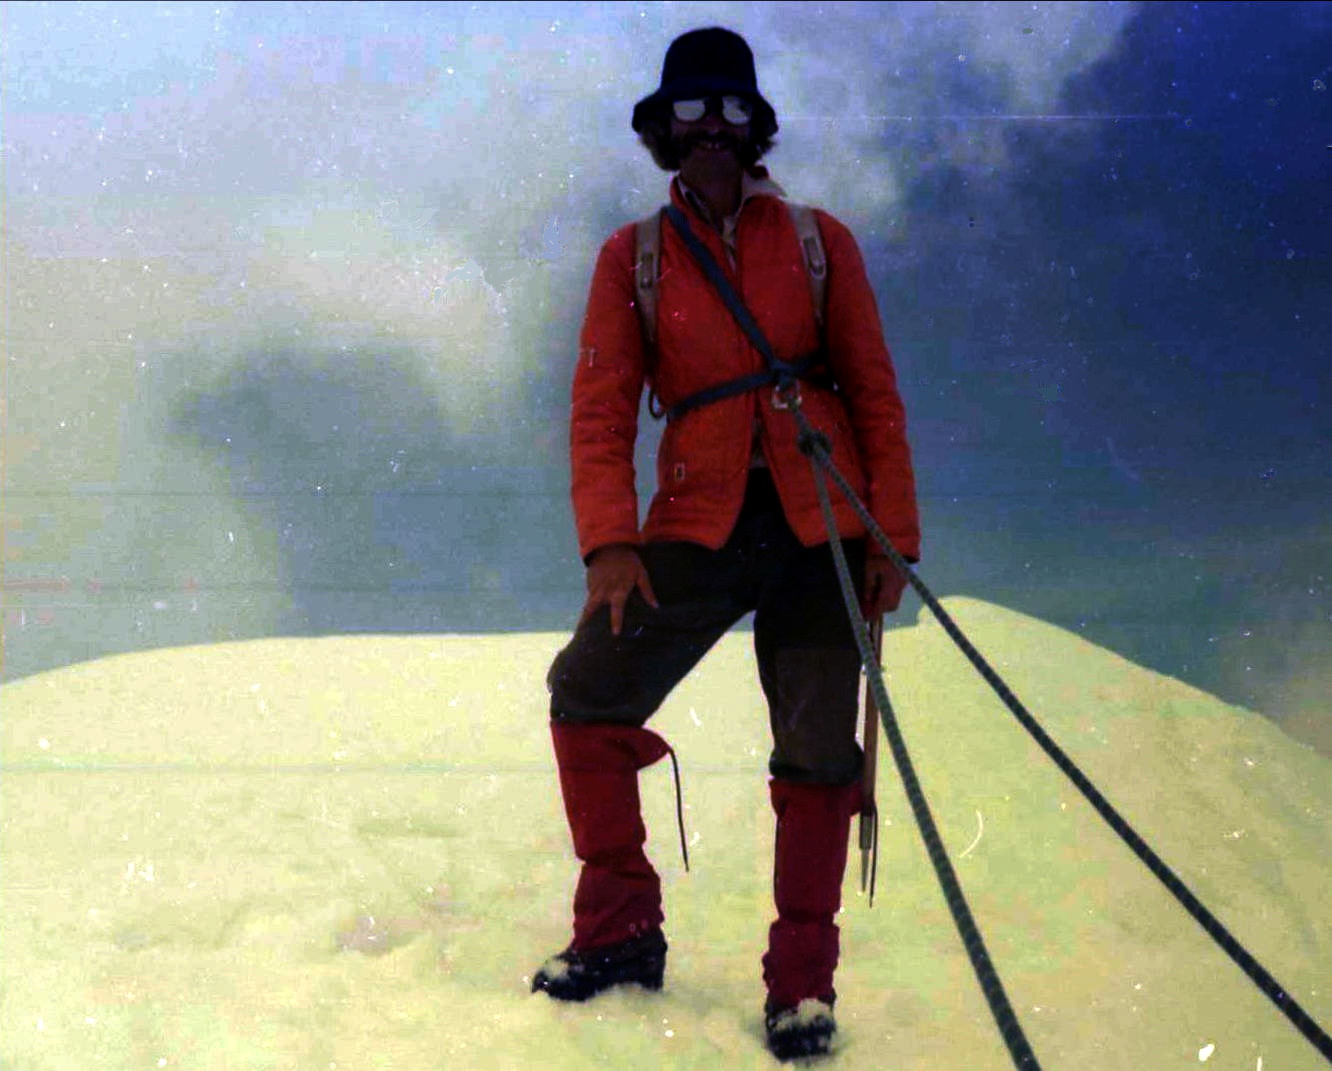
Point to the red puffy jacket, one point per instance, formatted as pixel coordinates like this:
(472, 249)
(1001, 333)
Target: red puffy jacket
(704, 458)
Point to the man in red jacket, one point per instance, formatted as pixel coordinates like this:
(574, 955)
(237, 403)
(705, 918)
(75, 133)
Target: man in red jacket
(735, 527)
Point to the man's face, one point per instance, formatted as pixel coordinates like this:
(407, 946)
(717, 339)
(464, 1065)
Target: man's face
(710, 140)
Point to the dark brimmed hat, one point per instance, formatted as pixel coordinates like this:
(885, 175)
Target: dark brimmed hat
(704, 63)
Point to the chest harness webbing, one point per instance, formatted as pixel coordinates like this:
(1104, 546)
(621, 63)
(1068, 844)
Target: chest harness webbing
(782, 374)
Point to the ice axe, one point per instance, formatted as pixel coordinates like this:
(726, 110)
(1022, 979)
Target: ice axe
(869, 811)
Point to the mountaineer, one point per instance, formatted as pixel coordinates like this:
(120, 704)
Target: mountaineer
(735, 527)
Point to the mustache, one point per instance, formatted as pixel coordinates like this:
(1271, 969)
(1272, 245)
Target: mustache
(688, 141)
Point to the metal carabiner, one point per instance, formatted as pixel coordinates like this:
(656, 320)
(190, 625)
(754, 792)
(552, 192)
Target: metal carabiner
(787, 395)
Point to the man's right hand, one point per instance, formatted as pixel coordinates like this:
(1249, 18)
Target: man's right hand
(613, 572)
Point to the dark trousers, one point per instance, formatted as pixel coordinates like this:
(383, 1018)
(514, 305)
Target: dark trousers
(808, 663)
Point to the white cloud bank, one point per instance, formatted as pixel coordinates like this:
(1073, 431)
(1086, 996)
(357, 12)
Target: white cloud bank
(363, 161)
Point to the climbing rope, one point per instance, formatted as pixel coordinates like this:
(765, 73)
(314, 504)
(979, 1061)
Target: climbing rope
(815, 446)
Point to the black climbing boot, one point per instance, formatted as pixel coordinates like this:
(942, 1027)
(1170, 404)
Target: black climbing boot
(802, 1031)
(578, 975)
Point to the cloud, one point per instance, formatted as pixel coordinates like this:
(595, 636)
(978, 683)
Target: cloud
(445, 175)
(518, 106)
(894, 90)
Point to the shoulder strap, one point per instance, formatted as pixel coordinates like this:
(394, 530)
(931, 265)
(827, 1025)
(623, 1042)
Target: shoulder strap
(647, 232)
(780, 370)
(811, 248)
(646, 272)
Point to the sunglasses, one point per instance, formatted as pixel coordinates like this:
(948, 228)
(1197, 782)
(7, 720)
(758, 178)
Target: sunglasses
(735, 110)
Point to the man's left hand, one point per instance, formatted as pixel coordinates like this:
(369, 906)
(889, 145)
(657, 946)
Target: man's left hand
(883, 588)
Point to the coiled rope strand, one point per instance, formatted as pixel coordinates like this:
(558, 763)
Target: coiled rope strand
(995, 996)
(815, 446)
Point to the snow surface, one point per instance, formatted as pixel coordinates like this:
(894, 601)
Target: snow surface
(350, 853)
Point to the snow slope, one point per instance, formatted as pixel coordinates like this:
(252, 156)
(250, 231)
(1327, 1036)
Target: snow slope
(349, 853)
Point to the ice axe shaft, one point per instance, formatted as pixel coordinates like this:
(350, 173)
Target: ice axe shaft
(869, 811)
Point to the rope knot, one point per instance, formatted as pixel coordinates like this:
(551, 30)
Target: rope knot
(812, 442)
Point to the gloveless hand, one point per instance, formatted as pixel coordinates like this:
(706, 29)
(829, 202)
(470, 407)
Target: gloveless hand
(613, 572)
(883, 589)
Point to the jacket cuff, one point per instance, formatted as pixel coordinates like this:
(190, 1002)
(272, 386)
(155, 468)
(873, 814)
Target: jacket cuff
(602, 544)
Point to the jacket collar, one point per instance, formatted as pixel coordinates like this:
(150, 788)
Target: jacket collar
(754, 182)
